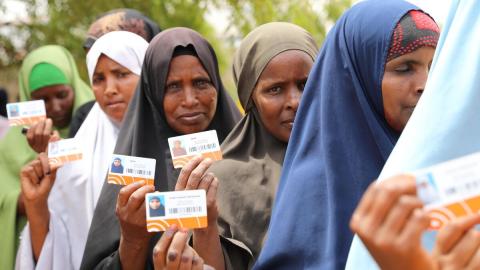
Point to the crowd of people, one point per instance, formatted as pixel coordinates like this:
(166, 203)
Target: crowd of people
(297, 178)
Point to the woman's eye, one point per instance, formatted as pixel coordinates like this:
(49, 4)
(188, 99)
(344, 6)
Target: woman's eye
(62, 95)
(202, 84)
(122, 75)
(403, 68)
(274, 90)
(97, 80)
(173, 87)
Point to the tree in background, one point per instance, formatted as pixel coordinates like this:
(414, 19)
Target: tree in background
(65, 22)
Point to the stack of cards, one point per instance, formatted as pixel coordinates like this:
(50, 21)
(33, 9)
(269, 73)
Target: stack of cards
(125, 170)
(26, 113)
(187, 209)
(451, 189)
(184, 148)
(63, 151)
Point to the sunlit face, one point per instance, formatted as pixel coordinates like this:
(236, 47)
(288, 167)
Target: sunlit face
(58, 103)
(190, 99)
(279, 89)
(403, 84)
(113, 86)
(154, 203)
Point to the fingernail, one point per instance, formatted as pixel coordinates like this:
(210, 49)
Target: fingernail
(171, 230)
(172, 255)
(185, 258)
(195, 260)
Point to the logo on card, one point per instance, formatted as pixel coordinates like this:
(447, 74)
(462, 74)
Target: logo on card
(63, 151)
(125, 170)
(187, 209)
(450, 189)
(184, 148)
(26, 113)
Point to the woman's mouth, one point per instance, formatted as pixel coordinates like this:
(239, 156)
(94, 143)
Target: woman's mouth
(191, 118)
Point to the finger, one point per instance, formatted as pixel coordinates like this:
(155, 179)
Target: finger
(466, 247)
(474, 261)
(453, 231)
(37, 167)
(398, 216)
(363, 207)
(126, 191)
(186, 260)
(55, 136)
(417, 223)
(198, 173)
(46, 133)
(49, 179)
(31, 135)
(197, 261)
(176, 249)
(212, 195)
(160, 250)
(206, 180)
(137, 199)
(28, 178)
(44, 163)
(39, 132)
(186, 171)
(389, 192)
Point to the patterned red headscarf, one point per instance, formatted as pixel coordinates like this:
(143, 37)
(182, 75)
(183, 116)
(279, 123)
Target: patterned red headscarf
(416, 29)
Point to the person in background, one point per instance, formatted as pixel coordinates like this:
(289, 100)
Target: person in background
(60, 204)
(270, 69)
(366, 82)
(48, 73)
(180, 93)
(123, 19)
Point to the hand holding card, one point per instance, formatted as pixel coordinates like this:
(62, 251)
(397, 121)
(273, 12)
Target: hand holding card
(40, 134)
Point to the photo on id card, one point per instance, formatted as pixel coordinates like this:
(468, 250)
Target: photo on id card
(187, 209)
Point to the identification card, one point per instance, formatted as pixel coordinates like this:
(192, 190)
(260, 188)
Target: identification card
(26, 113)
(187, 209)
(450, 189)
(63, 151)
(184, 148)
(125, 170)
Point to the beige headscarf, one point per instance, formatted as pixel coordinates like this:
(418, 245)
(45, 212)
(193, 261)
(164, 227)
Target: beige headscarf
(253, 158)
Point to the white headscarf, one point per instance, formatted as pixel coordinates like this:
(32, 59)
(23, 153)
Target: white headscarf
(78, 184)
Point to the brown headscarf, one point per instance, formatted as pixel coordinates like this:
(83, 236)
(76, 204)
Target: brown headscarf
(145, 131)
(253, 158)
(123, 19)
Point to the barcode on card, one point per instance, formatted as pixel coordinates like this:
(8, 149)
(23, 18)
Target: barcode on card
(204, 147)
(139, 172)
(185, 210)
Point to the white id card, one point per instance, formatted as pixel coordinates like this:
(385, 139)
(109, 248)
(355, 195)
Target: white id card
(184, 148)
(124, 170)
(63, 151)
(26, 113)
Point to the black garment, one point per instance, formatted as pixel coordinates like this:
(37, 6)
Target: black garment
(3, 102)
(145, 132)
(78, 118)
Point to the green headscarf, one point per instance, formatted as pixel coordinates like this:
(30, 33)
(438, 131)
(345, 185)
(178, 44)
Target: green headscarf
(45, 74)
(15, 151)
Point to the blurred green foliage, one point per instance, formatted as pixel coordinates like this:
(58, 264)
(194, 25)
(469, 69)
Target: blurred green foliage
(65, 22)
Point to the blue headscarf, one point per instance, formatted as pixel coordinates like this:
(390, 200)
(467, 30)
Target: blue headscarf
(446, 121)
(339, 144)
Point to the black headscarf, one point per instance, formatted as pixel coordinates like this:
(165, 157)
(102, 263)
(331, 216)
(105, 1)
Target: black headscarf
(145, 132)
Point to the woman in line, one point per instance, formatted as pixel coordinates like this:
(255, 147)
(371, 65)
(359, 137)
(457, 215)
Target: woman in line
(180, 92)
(362, 90)
(123, 19)
(270, 69)
(60, 209)
(47, 73)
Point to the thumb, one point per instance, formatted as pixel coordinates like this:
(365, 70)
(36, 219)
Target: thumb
(55, 136)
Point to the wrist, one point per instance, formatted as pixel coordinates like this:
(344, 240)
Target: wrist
(36, 211)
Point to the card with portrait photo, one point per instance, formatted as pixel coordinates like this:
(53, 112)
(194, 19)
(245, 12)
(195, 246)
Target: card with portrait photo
(63, 151)
(125, 170)
(184, 148)
(187, 209)
(450, 189)
(26, 113)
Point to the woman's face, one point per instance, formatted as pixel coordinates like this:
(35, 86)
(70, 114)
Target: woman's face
(403, 84)
(58, 102)
(154, 203)
(190, 99)
(113, 86)
(278, 91)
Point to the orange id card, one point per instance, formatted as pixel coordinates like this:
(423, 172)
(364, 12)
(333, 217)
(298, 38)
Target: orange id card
(187, 209)
(26, 113)
(184, 148)
(124, 170)
(63, 151)
(450, 189)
